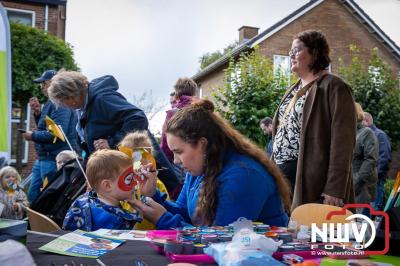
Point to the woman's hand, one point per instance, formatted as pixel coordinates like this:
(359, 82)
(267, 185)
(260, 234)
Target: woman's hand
(330, 200)
(101, 144)
(152, 211)
(148, 185)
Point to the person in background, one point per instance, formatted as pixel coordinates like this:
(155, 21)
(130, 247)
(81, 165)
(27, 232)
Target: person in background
(63, 157)
(383, 160)
(314, 127)
(365, 159)
(227, 176)
(46, 148)
(185, 90)
(13, 199)
(266, 127)
(101, 207)
(104, 115)
(172, 99)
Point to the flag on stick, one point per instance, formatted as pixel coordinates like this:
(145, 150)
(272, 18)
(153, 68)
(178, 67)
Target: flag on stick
(54, 129)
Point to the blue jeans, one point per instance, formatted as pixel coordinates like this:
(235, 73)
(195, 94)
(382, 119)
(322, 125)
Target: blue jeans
(40, 170)
(378, 204)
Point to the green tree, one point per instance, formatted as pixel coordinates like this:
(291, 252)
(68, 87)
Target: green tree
(376, 88)
(32, 52)
(250, 92)
(209, 58)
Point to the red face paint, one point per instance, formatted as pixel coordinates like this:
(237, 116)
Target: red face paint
(127, 180)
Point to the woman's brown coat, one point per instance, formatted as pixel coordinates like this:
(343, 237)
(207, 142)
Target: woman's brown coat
(327, 140)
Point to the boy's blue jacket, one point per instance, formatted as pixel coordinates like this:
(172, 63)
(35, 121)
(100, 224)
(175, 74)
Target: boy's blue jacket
(245, 189)
(88, 213)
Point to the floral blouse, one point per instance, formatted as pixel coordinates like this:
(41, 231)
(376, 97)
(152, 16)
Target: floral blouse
(287, 138)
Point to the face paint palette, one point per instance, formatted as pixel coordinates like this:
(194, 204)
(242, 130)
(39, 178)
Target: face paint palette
(187, 244)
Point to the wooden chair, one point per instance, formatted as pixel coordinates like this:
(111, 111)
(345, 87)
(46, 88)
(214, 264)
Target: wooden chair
(316, 213)
(40, 222)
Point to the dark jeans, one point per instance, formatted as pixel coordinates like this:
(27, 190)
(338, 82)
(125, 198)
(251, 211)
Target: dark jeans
(379, 203)
(40, 170)
(289, 169)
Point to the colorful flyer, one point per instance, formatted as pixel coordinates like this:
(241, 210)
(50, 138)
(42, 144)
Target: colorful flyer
(82, 244)
(123, 234)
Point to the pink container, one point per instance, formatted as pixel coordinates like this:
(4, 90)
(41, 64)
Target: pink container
(171, 235)
(195, 258)
(163, 234)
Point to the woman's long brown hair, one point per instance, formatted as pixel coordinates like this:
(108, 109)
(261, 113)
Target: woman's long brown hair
(200, 121)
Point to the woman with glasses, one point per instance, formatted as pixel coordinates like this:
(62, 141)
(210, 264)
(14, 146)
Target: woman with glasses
(314, 127)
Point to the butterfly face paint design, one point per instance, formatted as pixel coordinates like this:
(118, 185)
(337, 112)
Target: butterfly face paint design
(127, 180)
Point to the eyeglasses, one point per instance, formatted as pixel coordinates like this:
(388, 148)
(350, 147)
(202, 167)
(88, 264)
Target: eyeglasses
(295, 51)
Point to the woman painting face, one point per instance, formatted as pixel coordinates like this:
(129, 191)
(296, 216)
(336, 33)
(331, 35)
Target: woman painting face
(190, 156)
(300, 58)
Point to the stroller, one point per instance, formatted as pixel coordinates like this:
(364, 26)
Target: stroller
(56, 198)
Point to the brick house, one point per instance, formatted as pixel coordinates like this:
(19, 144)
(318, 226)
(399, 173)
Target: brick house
(343, 23)
(48, 15)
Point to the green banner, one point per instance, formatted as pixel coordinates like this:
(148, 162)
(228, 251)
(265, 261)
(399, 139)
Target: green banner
(5, 86)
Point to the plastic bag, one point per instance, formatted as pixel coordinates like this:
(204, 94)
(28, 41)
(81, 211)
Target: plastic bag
(246, 248)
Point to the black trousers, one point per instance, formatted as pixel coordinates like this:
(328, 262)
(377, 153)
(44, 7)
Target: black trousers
(289, 169)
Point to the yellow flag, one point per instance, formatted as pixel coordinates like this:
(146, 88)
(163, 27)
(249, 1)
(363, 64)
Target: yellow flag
(54, 129)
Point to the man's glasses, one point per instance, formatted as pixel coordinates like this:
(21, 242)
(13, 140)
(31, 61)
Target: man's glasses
(295, 51)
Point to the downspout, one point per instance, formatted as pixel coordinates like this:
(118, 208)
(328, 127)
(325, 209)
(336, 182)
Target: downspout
(46, 18)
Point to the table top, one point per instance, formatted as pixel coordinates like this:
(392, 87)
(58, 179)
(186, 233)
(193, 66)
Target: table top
(126, 254)
(132, 250)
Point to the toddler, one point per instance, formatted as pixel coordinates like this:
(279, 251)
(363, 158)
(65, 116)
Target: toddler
(13, 199)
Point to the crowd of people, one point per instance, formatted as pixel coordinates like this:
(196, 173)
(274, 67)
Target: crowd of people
(321, 148)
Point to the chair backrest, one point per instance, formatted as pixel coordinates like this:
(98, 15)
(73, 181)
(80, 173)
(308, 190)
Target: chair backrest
(307, 214)
(40, 222)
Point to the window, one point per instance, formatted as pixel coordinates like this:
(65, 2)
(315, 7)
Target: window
(20, 16)
(15, 118)
(282, 65)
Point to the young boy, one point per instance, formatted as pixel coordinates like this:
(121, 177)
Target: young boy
(112, 180)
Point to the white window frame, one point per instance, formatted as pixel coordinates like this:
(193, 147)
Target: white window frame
(27, 128)
(274, 60)
(33, 13)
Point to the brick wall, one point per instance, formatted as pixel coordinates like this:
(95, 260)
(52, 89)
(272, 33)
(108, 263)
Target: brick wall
(56, 15)
(340, 28)
(211, 83)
